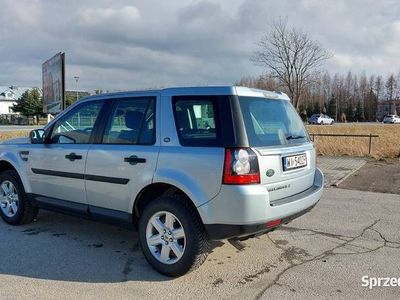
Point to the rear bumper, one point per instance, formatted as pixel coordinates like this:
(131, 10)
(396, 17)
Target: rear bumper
(221, 231)
(240, 211)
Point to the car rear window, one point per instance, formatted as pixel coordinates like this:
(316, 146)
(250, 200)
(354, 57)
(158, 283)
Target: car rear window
(196, 119)
(271, 122)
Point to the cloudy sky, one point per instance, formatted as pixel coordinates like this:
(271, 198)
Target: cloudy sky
(119, 45)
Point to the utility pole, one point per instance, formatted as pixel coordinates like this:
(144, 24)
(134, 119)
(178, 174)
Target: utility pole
(77, 94)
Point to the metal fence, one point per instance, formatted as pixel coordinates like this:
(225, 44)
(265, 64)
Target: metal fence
(17, 119)
(370, 136)
(13, 119)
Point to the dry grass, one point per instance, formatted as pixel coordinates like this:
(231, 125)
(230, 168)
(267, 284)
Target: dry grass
(387, 145)
(5, 135)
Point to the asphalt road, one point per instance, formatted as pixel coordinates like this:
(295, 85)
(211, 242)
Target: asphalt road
(377, 176)
(323, 254)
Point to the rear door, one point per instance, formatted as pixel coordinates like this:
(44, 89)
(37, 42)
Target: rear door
(285, 154)
(123, 158)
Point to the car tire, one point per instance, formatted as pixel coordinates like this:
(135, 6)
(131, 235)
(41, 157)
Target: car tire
(15, 206)
(192, 249)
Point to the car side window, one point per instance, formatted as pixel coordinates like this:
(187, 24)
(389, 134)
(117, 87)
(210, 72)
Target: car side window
(77, 125)
(196, 121)
(132, 121)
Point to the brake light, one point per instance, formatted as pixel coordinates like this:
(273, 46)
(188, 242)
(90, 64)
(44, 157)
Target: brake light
(241, 166)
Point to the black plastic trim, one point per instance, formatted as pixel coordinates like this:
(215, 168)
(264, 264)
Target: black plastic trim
(103, 117)
(239, 127)
(107, 215)
(22, 155)
(100, 214)
(107, 179)
(59, 205)
(225, 231)
(58, 173)
(115, 180)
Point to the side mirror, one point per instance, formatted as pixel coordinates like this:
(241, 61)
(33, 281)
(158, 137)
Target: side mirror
(37, 136)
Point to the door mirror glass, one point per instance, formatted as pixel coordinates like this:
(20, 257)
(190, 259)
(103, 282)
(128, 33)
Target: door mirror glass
(37, 136)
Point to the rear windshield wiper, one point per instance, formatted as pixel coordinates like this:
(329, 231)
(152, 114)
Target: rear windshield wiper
(295, 137)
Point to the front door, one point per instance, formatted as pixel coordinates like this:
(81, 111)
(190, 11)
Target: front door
(56, 169)
(124, 160)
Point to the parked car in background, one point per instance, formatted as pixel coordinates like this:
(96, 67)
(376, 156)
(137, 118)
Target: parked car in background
(320, 119)
(391, 119)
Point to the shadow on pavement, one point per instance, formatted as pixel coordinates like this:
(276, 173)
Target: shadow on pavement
(59, 247)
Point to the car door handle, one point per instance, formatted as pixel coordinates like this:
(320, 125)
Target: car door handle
(72, 156)
(133, 160)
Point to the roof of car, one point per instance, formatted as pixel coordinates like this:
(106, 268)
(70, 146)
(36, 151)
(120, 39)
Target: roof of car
(182, 91)
(197, 90)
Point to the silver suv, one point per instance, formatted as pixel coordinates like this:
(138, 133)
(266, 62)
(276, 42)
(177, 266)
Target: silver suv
(184, 166)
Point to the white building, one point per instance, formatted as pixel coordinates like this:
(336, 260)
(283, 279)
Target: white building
(8, 96)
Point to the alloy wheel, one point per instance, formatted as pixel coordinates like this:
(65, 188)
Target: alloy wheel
(8, 198)
(165, 237)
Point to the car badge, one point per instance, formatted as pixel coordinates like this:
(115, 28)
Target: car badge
(270, 173)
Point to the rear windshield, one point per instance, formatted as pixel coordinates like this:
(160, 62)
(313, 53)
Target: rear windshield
(271, 122)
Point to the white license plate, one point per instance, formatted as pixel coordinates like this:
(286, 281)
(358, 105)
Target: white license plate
(294, 162)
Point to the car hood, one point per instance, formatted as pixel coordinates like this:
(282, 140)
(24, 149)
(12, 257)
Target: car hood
(21, 140)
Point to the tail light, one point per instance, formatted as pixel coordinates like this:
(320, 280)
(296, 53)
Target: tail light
(241, 166)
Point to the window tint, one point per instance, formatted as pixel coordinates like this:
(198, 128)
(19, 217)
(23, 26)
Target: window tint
(132, 122)
(196, 121)
(271, 122)
(77, 125)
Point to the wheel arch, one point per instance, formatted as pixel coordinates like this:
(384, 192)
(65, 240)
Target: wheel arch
(155, 190)
(7, 163)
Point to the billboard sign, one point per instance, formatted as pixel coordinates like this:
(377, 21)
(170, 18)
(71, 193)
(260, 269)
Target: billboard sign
(53, 74)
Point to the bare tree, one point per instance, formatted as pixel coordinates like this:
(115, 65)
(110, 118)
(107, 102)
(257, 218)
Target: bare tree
(391, 86)
(378, 87)
(291, 56)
